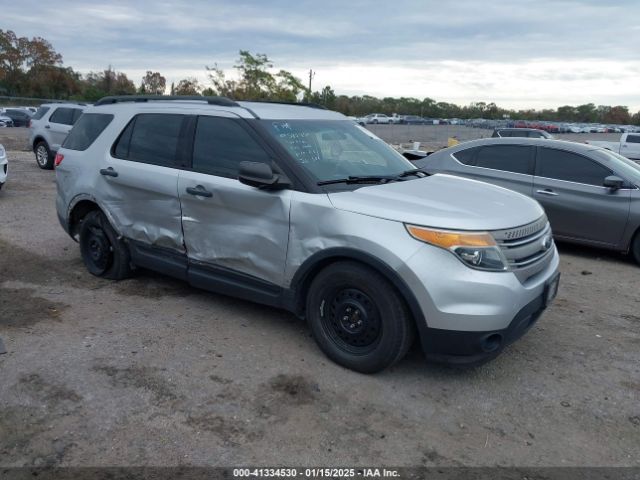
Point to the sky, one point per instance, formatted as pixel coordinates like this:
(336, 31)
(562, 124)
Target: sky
(516, 54)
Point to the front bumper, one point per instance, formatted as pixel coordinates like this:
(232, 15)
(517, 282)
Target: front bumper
(470, 315)
(469, 348)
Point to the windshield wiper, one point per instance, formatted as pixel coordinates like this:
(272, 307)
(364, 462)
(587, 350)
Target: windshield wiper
(375, 178)
(359, 179)
(414, 171)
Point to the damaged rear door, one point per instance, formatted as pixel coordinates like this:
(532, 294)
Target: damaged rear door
(138, 182)
(236, 235)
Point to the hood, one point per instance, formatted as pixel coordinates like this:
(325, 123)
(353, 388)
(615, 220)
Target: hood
(442, 201)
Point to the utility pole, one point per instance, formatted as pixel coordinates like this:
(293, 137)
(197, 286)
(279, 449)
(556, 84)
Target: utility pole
(311, 75)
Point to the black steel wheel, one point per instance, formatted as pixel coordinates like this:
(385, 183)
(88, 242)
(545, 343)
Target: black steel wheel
(103, 253)
(358, 318)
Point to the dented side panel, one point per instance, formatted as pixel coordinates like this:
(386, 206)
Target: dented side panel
(316, 226)
(239, 227)
(143, 202)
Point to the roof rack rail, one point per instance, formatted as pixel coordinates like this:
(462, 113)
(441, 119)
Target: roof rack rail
(221, 101)
(298, 104)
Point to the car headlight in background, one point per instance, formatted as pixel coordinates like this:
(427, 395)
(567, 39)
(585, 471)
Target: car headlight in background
(475, 249)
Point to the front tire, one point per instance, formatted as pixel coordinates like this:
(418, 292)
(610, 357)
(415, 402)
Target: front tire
(103, 253)
(44, 158)
(357, 318)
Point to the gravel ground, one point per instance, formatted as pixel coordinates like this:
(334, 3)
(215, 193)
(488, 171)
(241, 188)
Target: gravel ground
(150, 371)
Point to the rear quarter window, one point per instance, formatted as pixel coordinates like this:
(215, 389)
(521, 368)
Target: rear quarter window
(40, 113)
(62, 115)
(86, 130)
(466, 156)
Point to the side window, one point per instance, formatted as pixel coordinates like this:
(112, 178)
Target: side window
(221, 144)
(633, 138)
(40, 113)
(509, 158)
(466, 156)
(569, 166)
(88, 128)
(62, 115)
(150, 138)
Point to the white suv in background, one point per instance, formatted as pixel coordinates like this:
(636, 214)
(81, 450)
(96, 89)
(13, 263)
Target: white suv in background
(49, 127)
(377, 118)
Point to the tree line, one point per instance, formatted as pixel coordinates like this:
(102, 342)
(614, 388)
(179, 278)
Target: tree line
(30, 67)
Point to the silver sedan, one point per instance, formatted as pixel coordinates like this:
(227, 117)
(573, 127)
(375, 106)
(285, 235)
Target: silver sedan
(591, 195)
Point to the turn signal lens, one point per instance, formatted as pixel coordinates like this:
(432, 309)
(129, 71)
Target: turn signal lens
(58, 159)
(448, 238)
(475, 249)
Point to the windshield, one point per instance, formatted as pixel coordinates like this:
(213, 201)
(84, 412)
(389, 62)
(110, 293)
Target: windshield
(333, 149)
(624, 166)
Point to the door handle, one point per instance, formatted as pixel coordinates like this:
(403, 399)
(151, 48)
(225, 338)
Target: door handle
(47, 126)
(625, 146)
(199, 191)
(547, 192)
(108, 172)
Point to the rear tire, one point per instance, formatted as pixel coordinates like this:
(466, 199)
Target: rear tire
(103, 253)
(44, 158)
(357, 318)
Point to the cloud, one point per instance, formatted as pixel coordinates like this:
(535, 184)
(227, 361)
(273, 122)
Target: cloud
(523, 54)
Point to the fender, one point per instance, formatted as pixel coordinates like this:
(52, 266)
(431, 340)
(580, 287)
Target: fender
(294, 298)
(86, 197)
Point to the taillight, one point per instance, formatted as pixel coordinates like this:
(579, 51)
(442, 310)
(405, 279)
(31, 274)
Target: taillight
(58, 159)
(29, 124)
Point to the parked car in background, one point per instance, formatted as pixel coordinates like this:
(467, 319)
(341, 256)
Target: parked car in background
(4, 166)
(377, 118)
(29, 110)
(49, 128)
(299, 208)
(5, 121)
(591, 195)
(628, 146)
(359, 120)
(520, 132)
(412, 120)
(20, 118)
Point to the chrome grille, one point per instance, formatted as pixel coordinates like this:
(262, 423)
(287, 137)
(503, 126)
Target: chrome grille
(528, 248)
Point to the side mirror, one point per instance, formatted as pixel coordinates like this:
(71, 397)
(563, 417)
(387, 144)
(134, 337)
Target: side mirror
(613, 182)
(260, 175)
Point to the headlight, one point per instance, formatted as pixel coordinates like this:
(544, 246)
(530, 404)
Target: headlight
(474, 249)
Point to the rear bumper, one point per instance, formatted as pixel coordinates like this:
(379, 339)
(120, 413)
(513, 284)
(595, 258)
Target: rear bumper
(469, 348)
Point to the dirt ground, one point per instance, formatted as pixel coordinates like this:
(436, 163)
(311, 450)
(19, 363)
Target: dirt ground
(150, 371)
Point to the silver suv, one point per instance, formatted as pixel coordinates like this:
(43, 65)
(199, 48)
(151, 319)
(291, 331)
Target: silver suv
(49, 126)
(298, 207)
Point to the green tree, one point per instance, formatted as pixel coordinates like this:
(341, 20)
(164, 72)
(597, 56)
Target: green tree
(255, 81)
(153, 83)
(187, 86)
(19, 56)
(96, 85)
